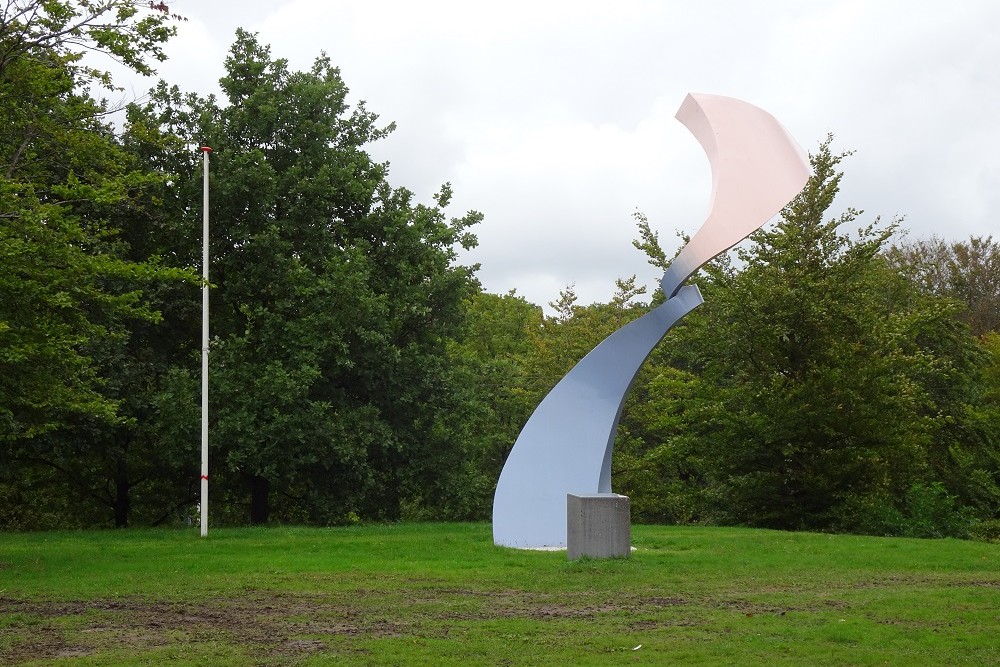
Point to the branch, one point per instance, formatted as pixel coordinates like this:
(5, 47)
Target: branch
(71, 478)
(190, 500)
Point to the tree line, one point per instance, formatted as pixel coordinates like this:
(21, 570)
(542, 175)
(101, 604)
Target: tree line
(835, 379)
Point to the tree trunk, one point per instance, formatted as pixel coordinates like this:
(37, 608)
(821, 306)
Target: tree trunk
(259, 506)
(122, 499)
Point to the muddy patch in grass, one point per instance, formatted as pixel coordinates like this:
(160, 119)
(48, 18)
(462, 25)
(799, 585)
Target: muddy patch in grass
(281, 628)
(271, 625)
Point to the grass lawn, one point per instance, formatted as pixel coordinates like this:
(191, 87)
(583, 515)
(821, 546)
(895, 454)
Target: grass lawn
(432, 594)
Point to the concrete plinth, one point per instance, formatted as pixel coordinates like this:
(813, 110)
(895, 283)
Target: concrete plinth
(598, 525)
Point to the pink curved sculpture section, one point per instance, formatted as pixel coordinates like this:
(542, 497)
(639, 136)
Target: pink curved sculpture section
(757, 168)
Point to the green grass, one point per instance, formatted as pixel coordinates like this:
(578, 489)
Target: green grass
(431, 594)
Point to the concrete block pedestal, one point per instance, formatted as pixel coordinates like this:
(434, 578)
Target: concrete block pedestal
(598, 525)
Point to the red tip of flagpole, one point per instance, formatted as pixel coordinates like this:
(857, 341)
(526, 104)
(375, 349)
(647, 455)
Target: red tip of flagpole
(206, 149)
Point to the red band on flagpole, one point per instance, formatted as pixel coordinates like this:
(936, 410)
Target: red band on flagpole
(205, 477)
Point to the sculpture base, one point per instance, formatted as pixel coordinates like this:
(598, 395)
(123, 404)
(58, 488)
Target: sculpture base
(598, 525)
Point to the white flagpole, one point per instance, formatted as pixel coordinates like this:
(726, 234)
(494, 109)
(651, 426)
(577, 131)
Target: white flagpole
(205, 150)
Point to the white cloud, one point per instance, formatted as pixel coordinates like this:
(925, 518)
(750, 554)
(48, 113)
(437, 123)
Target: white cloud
(555, 119)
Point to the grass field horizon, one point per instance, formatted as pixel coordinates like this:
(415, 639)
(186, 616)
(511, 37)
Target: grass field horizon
(431, 594)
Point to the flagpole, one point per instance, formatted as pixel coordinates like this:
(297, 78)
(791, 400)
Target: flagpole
(205, 150)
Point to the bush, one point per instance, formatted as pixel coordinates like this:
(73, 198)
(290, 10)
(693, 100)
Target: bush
(985, 531)
(932, 512)
(926, 511)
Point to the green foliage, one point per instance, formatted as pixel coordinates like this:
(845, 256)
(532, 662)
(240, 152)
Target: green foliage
(926, 511)
(979, 459)
(829, 382)
(71, 294)
(814, 387)
(987, 530)
(573, 331)
(818, 387)
(495, 361)
(656, 461)
(60, 31)
(61, 178)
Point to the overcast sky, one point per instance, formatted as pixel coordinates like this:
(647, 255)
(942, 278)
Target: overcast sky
(556, 119)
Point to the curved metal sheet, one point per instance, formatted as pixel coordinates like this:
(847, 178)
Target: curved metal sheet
(567, 444)
(757, 168)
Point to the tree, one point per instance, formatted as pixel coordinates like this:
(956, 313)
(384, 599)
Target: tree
(60, 178)
(968, 271)
(574, 330)
(67, 292)
(979, 460)
(129, 31)
(823, 384)
(496, 359)
(335, 299)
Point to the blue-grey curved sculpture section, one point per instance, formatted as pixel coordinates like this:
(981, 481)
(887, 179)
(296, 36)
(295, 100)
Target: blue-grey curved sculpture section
(529, 509)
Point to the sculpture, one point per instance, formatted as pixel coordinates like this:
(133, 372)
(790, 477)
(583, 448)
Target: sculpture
(567, 443)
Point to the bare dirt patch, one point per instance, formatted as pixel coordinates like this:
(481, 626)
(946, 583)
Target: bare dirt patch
(273, 625)
(278, 628)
